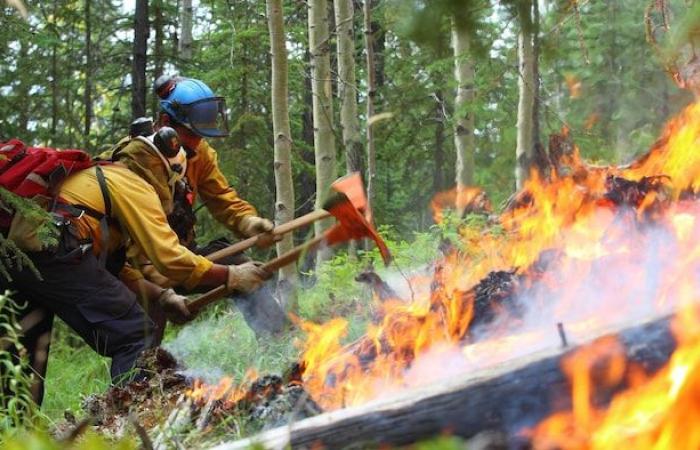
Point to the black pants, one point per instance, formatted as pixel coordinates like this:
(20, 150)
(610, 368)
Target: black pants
(92, 301)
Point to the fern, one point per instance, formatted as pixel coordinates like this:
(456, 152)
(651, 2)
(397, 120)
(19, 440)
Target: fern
(17, 409)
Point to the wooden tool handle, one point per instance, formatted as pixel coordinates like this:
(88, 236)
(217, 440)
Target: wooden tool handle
(292, 255)
(218, 293)
(209, 297)
(285, 228)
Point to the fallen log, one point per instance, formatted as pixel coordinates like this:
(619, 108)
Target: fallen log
(508, 398)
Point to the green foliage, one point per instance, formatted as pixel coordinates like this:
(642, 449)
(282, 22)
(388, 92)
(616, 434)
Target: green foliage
(17, 409)
(67, 382)
(39, 440)
(441, 443)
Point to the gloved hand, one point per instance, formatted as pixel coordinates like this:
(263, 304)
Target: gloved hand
(246, 277)
(249, 226)
(175, 307)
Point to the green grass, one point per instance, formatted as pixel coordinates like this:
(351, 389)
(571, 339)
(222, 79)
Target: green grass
(74, 371)
(220, 343)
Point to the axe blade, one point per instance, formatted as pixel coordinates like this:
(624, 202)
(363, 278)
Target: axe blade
(352, 225)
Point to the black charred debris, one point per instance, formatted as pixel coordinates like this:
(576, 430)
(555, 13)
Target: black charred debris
(270, 400)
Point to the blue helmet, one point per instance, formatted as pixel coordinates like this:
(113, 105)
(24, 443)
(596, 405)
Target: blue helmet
(192, 104)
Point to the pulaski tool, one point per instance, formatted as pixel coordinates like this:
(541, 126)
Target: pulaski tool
(347, 204)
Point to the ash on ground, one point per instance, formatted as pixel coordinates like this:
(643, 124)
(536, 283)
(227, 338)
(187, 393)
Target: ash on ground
(151, 401)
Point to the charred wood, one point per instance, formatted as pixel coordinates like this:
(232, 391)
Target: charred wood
(506, 400)
(378, 286)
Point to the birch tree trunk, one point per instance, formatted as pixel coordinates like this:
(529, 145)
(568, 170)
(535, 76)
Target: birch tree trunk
(439, 145)
(525, 147)
(284, 186)
(347, 87)
(324, 140)
(464, 119)
(138, 65)
(88, 75)
(185, 47)
(371, 94)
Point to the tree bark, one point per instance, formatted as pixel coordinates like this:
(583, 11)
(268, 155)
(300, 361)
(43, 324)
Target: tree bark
(371, 94)
(439, 148)
(23, 65)
(536, 138)
(508, 398)
(185, 47)
(284, 185)
(347, 86)
(88, 75)
(54, 76)
(464, 118)
(525, 147)
(138, 70)
(158, 56)
(324, 139)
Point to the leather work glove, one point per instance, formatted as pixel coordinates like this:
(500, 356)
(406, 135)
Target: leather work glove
(249, 226)
(175, 307)
(246, 277)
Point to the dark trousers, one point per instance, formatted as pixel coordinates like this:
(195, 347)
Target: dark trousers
(92, 301)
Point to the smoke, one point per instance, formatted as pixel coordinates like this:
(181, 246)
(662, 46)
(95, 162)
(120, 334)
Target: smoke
(635, 272)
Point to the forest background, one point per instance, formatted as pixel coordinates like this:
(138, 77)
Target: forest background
(76, 73)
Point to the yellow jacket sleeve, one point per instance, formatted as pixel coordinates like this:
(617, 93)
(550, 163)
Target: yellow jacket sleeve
(207, 180)
(137, 209)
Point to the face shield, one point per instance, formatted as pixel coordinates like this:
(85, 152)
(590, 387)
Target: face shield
(207, 117)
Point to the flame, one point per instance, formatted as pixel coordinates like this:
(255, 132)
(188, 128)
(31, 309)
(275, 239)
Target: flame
(227, 390)
(462, 199)
(626, 237)
(656, 412)
(587, 246)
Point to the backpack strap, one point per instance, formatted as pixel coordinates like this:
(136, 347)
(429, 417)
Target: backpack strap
(104, 223)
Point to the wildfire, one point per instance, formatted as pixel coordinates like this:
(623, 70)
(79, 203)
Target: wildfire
(591, 246)
(227, 390)
(654, 413)
(587, 246)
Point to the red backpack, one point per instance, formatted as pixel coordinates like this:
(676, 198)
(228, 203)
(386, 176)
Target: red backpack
(36, 172)
(31, 171)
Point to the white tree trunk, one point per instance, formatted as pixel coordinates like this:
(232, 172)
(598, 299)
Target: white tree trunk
(185, 44)
(284, 186)
(347, 87)
(525, 147)
(371, 94)
(464, 120)
(324, 140)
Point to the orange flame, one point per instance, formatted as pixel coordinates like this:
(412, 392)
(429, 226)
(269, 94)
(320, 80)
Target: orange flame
(462, 199)
(655, 413)
(591, 247)
(578, 213)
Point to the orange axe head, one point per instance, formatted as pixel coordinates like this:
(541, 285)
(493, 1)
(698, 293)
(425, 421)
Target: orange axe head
(349, 206)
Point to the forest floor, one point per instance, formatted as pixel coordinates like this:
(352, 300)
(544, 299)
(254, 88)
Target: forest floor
(218, 343)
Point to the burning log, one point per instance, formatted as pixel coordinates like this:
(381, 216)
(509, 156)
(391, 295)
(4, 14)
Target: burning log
(506, 399)
(378, 286)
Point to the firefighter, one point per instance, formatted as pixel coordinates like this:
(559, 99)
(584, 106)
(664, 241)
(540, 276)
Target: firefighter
(79, 277)
(190, 107)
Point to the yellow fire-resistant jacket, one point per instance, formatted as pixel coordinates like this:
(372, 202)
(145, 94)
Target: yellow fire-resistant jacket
(139, 216)
(203, 174)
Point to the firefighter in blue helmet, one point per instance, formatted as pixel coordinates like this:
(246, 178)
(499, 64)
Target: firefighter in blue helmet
(190, 107)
